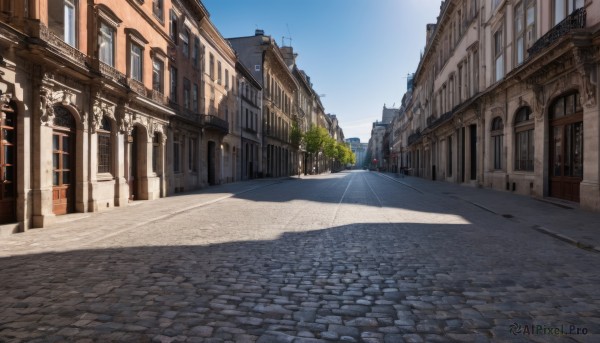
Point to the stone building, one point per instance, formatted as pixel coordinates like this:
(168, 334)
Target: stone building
(262, 56)
(250, 122)
(85, 129)
(506, 97)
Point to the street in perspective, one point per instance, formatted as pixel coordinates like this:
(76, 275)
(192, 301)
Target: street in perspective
(307, 171)
(355, 256)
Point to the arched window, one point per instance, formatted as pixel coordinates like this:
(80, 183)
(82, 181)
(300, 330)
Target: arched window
(497, 141)
(104, 146)
(524, 136)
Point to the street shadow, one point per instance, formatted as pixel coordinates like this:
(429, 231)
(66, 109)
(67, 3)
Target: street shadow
(431, 279)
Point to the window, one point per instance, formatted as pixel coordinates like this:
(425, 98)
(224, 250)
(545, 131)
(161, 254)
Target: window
(192, 165)
(104, 146)
(186, 93)
(186, 42)
(176, 154)
(497, 141)
(449, 167)
(562, 8)
(219, 72)
(173, 33)
(498, 55)
(524, 28)
(157, 9)
(62, 20)
(524, 145)
(158, 71)
(495, 3)
(226, 79)
(136, 62)
(155, 151)
(195, 98)
(106, 42)
(211, 66)
(196, 51)
(173, 77)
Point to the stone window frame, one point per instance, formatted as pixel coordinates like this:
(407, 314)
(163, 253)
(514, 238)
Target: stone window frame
(105, 156)
(497, 144)
(107, 17)
(135, 38)
(524, 128)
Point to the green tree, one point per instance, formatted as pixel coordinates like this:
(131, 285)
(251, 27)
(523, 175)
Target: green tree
(295, 135)
(315, 139)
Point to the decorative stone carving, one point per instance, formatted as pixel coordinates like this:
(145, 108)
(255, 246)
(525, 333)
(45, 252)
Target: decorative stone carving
(67, 98)
(100, 109)
(587, 71)
(539, 103)
(46, 108)
(124, 120)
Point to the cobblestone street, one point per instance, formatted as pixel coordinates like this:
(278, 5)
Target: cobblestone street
(354, 257)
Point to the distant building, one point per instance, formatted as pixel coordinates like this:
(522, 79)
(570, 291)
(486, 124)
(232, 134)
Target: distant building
(388, 114)
(359, 149)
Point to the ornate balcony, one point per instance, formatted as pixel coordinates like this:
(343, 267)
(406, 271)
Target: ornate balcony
(157, 97)
(61, 47)
(215, 123)
(574, 21)
(414, 137)
(136, 86)
(111, 73)
(433, 122)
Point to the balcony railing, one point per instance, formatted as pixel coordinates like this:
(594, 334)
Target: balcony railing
(111, 73)
(157, 96)
(575, 20)
(137, 86)
(63, 48)
(443, 118)
(414, 137)
(214, 122)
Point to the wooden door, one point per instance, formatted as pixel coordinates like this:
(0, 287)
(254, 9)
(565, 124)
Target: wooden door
(566, 147)
(8, 151)
(566, 158)
(62, 172)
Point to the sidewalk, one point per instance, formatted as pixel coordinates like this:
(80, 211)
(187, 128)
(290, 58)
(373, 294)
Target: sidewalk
(562, 220)
(87, 229)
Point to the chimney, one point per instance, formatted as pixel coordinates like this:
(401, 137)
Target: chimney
(259, 32)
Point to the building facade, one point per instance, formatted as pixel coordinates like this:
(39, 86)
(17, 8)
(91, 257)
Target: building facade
(250, 123)
(505, 96)
(106, 102)
(261, 55)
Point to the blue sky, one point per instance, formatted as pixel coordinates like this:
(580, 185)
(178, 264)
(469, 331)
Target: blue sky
(357, 52)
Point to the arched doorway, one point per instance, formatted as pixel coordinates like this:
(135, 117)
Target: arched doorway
(566, 147)
(8, 164)
(63, 161)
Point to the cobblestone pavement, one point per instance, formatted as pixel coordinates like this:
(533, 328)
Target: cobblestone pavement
(352, 257)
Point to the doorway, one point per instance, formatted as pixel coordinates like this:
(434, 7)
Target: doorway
(211, 163)
(566, 147)
(8, 164)
(63, 161)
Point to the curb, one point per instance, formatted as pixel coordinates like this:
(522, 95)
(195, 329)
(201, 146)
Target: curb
(566, 239)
